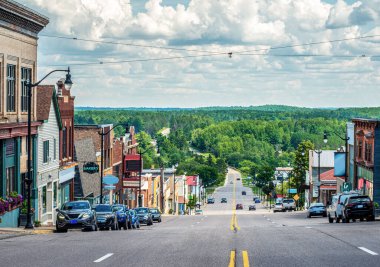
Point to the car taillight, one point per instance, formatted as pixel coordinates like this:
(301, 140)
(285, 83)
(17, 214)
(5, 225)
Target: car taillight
(350, 205)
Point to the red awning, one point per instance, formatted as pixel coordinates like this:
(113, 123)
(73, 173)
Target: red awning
(328, 187)
(132, 157)
(191, 180)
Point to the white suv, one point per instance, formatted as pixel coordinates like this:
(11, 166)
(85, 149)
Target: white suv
(334, 210)
(289, 204)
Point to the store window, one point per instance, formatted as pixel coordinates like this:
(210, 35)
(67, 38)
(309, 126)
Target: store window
(46, 151)
(43, 199)
(9, 147)
(11, 180)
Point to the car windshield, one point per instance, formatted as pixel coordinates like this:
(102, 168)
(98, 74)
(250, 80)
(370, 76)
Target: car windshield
(117, 208)
(288, 200)
(279, 203)
(76, 206)
(103, 208)
(155, 211)
(359, 199)
(142, 210)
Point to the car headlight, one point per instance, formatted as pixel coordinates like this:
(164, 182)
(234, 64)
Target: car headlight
(60, 216)
(85, 216)
(146, 217)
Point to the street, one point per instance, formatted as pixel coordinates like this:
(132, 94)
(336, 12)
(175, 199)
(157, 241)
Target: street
(216, 238)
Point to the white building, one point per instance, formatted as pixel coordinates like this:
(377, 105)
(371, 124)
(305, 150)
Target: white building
(48, 154)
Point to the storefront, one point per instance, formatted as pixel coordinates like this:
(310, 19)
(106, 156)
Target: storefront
(66, 184)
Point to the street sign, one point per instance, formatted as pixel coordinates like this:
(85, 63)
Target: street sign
(296, 197)
(109, 187)
(347, 187)
(110, 180)
(129, 183)
(90, 167)
(292, 191)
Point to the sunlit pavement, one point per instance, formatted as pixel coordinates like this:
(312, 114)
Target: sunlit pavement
(219, 237)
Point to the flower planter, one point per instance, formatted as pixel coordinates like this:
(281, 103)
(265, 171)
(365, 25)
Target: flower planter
(22, 220)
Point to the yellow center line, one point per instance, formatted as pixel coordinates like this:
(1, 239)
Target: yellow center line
(232, 259)
(245, 259)
(234, 225)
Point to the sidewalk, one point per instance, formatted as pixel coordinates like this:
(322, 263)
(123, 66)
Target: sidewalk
(6, 233)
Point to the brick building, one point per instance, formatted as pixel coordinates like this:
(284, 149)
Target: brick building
(67, 163)
(19, 28)
(367, 157)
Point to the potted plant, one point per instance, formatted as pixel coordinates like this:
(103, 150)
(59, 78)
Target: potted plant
(23, 214)
(4, 206)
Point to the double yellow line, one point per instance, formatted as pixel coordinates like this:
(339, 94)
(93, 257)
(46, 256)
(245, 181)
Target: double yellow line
(233, 258)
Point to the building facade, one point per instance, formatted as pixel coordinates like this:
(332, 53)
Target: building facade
(48, 153)
(367, 157)
(19, 28)
(67, 163)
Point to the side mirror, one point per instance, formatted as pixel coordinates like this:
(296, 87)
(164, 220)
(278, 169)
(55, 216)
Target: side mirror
(57, 210)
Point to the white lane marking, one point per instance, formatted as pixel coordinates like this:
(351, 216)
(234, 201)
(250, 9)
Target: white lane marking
(268, 219)
(308, 227)
(104, 257)
(272, 222)
(368, 251)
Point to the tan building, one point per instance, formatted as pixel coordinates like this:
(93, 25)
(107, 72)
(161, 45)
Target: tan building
(19, 28)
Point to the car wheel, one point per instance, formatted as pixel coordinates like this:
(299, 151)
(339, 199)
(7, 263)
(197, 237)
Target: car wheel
(309, 216)
(125, 226)
(331, 220)
(159, 220)
(324, 214)
(138, 226)
(60, 230)
(96, 227)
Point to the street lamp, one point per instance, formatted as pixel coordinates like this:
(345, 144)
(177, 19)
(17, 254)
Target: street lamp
(29, 179)
(345, 139)
(102, 134)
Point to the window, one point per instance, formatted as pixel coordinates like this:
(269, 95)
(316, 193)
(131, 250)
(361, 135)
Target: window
(11, 90)
(55, 189)
(55, 149)
(64, 143)
(368, 152)
(46, 151)
(43, 199)
(11, 180)
(26, 75)
(360, 149)
(9, 147)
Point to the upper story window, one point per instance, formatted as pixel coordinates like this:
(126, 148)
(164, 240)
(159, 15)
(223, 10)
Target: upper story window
(64, 142)
(360, 149)
(46, 151)
(11, 88)
(368, 152)
(26, 75)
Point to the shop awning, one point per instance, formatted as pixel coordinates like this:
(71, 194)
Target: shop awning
(66, 175)
(328, 187)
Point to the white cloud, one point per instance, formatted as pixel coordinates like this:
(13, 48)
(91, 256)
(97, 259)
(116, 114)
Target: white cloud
(217, 26)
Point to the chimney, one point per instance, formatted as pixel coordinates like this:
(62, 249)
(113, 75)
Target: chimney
(60, 85)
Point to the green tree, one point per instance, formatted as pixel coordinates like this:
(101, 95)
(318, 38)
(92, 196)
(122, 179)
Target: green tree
(301, 162)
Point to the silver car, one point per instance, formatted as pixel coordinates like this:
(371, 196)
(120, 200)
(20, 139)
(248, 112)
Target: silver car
(279, 206)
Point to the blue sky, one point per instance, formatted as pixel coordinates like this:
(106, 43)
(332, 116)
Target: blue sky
(199, 71)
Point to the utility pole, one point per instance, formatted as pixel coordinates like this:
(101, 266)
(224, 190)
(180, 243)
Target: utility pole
(162, 204)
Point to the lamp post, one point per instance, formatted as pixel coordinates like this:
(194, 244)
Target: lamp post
(345, 139)
(319, 173)
(102, 134)
(29, 179)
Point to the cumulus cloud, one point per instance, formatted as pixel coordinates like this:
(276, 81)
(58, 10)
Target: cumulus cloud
(212, 26)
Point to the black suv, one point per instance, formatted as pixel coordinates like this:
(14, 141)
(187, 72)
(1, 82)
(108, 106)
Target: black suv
(156, 214)
(106, 218)
(144, 215)
(223, 200)
(75, 214)
(357, 207)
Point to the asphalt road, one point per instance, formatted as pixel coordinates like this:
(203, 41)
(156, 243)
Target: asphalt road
(256, 238)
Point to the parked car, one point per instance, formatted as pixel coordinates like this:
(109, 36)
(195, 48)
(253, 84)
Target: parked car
(223, 200)
(289, 204)
(122, 215)
(156, 214)
(252, 207)
(106, 218)
(243, 193)
(357, 207)
(144, 216)
(317, 209)
(134, 219)
(278, 206)
(334, 209)
(239, 206)
(257, 200)
(210, 200)
(75, 214)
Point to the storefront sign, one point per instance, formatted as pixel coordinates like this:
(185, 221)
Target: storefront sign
(90, 167)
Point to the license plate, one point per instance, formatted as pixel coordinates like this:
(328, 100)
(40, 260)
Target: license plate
(73, 221)
(360, 206)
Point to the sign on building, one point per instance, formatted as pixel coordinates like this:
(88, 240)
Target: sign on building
(90, 167)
